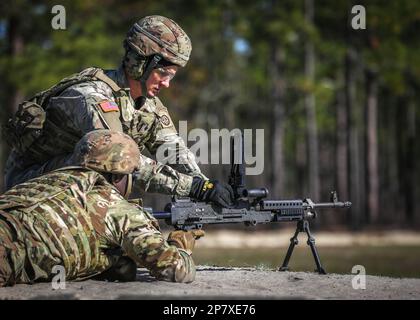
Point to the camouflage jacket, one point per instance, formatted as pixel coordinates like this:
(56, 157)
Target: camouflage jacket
(72, 217)
(81, 108)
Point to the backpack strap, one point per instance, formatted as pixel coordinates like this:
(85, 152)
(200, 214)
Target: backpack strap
(26, 125)
(121, 95)
(100, 75)
(111, 118)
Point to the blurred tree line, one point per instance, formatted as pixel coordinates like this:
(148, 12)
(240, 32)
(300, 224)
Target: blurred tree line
(339, 106)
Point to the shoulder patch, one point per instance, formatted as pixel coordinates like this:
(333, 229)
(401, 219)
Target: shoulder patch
(162, 113)
(165, 120)
(160, 109)
(108, 106)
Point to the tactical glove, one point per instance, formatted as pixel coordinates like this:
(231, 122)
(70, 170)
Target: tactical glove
(212, 190)
(185, 239)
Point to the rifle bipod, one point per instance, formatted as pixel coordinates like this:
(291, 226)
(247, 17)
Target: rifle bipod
(302, 226)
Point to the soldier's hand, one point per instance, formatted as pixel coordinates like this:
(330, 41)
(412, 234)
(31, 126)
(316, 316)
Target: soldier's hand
(198, 233)
(185, 239)
(212, 190)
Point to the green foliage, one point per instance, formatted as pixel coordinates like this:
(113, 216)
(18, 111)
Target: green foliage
(224, 86)
(48, 57)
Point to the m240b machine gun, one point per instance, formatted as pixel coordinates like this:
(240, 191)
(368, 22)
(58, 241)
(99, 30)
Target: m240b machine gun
(251, 208)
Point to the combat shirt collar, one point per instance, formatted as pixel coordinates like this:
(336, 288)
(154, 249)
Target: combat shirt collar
(119, 77)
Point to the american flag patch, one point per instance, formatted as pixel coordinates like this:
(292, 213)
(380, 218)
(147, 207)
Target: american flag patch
(108, 106)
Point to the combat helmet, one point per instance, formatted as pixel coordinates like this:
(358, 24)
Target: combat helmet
(152, 42)
(110, 152)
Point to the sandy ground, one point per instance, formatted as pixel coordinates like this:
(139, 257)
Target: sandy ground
(227, 283)
(245, 283)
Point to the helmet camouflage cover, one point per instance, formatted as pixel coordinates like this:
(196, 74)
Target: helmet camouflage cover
(107, 151)
(156, 35)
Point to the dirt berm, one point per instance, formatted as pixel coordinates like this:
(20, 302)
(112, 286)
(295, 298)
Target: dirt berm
(228, 283)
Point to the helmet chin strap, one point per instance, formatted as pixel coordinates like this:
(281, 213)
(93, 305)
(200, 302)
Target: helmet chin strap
(129, 186)
(124, 184)
(151, 64)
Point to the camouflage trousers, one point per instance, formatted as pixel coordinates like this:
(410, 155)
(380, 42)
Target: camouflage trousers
(7, 276)
(20, 262)
(5, 270)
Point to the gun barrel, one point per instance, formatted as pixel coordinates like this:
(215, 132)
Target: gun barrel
(162, 215)
(337, 204)
(256, 193)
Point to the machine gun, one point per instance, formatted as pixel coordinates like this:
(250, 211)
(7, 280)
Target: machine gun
(250, 208)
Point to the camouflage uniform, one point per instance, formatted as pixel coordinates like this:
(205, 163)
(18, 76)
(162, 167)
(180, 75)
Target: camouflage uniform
(94, 104)
(74, 218)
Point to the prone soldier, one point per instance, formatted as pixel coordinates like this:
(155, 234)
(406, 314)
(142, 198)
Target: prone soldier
(77, 217)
